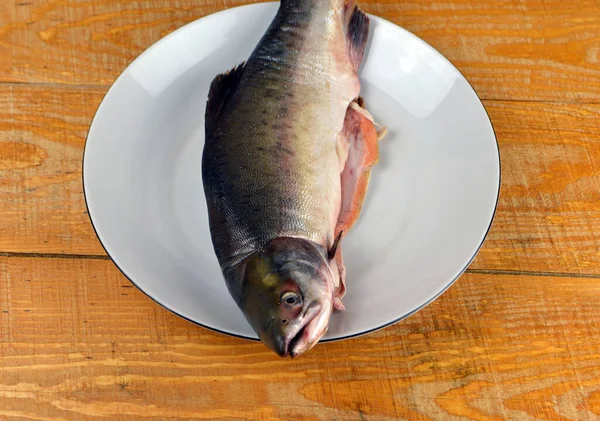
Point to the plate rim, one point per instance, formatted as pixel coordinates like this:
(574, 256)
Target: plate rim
(325, 340)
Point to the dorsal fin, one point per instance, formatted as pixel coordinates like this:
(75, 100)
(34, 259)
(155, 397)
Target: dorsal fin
(221, 88)
(357, 31)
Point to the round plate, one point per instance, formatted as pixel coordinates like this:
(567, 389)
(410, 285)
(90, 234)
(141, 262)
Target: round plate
(429, 207)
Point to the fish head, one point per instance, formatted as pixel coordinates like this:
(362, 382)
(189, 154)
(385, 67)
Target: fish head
(287, 295)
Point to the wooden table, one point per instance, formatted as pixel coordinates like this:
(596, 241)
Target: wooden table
(517, 337)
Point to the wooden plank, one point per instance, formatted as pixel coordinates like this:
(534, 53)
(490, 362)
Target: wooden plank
(42, 134)
(515, 49)
(548, 218)
(78, 342)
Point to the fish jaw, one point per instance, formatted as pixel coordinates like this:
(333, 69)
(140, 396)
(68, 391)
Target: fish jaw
(314, 329)
(304, 333)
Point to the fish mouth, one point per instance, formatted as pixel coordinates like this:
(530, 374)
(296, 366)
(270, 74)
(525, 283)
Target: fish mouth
(293, 345)
(297, 337)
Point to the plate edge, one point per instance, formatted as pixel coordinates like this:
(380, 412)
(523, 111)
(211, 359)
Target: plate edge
(351, 336)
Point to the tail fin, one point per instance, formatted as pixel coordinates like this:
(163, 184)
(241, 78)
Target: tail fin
(357, 31)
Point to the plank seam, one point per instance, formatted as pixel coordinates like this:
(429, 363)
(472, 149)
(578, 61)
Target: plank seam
(55, 85)
(471, 271)
(53, 256)
(532, 273)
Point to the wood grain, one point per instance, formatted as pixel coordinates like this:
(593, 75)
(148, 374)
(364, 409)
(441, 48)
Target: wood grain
(78, 342)
(514, 49)
(42, 134)
(548, 217)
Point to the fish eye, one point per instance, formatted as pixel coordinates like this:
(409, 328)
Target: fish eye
(291, 299)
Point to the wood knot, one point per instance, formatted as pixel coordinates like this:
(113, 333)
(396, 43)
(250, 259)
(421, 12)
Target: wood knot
(17, 155)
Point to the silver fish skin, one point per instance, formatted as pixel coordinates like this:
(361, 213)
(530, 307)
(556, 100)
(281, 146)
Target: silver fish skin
(274, 153)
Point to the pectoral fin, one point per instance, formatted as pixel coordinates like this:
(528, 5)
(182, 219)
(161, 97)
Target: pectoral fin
(363, 139)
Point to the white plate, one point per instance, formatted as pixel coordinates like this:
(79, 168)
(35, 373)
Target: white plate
(431, 201)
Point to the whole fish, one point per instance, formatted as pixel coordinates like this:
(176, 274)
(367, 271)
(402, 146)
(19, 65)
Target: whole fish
(285, 169)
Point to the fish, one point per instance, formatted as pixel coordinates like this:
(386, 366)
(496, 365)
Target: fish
(289, 147)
